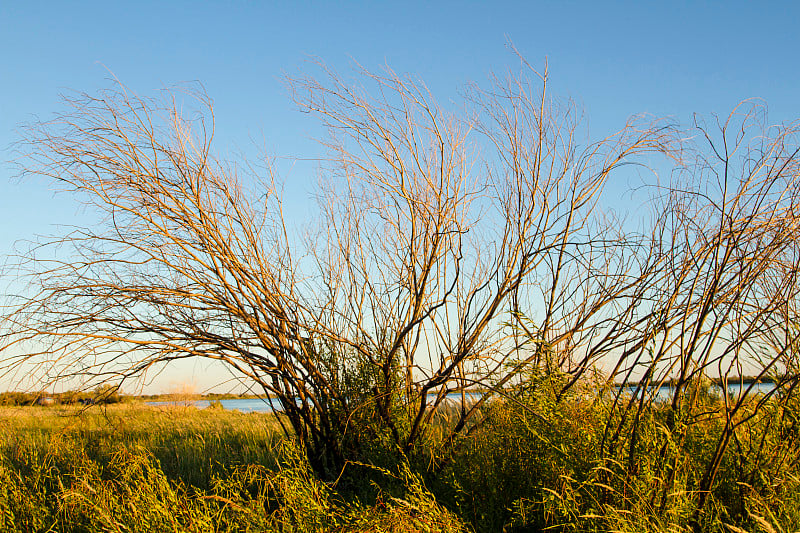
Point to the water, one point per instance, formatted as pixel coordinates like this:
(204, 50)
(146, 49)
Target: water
(246, 405)
(666, 392)
(256, 405)
(267, 405)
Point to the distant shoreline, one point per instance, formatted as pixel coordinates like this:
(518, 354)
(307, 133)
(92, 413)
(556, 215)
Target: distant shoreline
(745, 380)
(210, 396)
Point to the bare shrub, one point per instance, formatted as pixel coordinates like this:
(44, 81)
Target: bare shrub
(436, 227)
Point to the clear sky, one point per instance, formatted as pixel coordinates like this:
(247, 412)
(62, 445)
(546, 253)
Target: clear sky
(615, 58)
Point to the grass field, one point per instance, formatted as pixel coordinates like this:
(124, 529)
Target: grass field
(135, 468)
(129, 468)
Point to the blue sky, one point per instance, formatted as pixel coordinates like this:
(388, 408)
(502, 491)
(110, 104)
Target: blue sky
(615, 59)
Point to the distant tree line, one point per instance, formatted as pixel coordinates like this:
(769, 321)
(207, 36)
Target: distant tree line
(104, 394)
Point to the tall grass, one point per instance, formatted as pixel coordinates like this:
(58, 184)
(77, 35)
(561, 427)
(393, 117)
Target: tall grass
(536, 464)
(127, 469)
